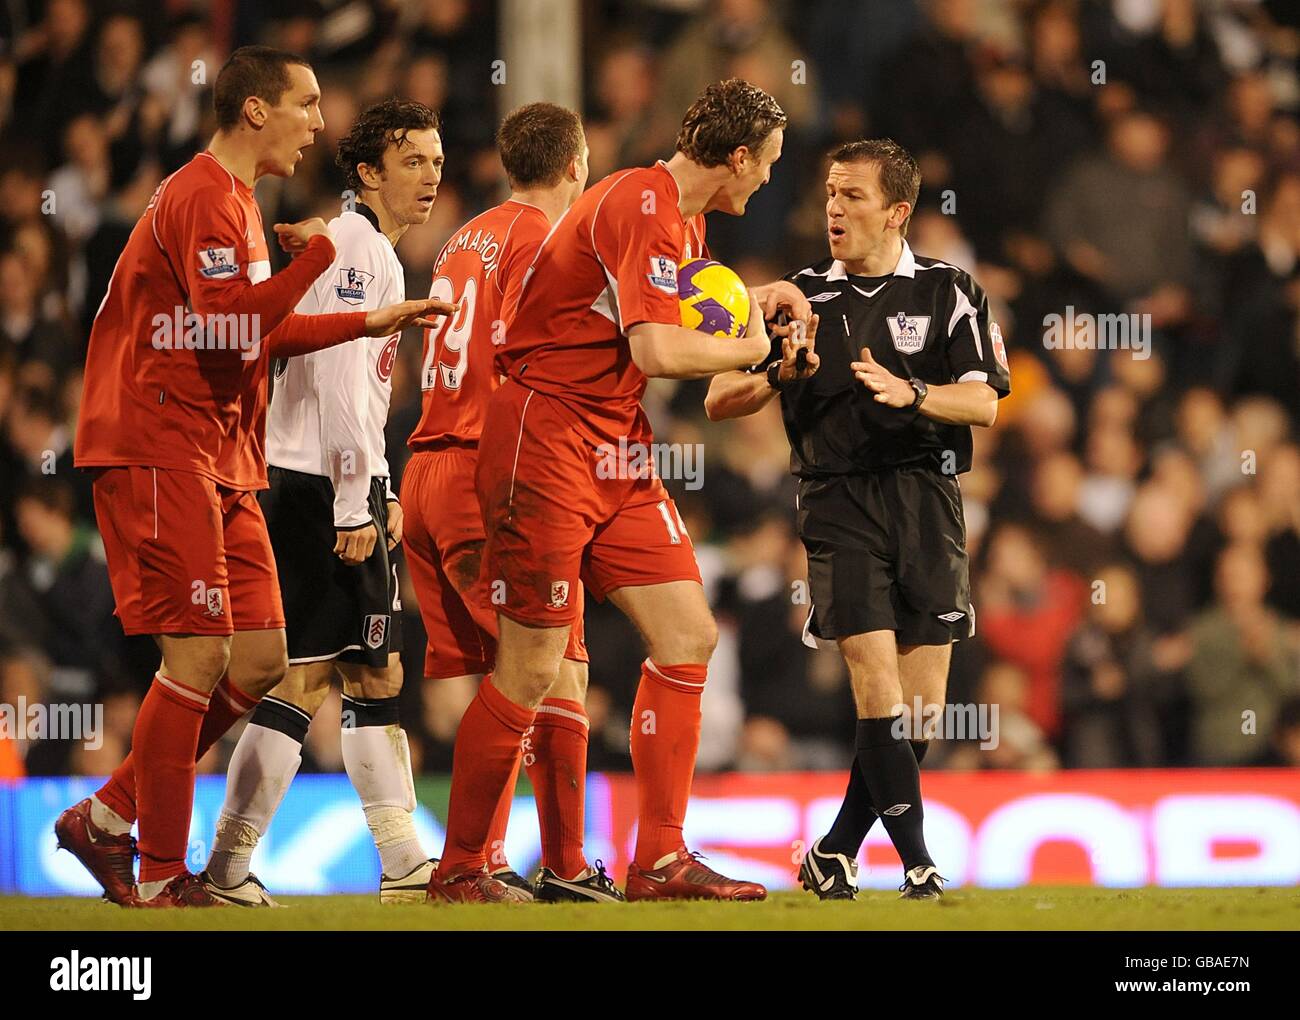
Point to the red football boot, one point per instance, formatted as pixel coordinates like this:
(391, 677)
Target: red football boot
(185, 890)
(470, 887)
(686, 878)
(110, 859)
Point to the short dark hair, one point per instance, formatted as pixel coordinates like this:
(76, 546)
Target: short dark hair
(378, 127)
(537, 142)
(900, 177)
(260, 71)
(725, 116)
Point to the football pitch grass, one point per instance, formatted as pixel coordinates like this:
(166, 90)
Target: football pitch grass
(1043, 908)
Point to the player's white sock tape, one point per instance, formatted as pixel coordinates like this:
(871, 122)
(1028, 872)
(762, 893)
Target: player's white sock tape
(261, 769)
(104, 817)
(232, 851)
(399, 848)
(378, 760)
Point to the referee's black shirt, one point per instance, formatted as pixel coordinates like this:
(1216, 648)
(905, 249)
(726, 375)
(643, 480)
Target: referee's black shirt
(928, 321)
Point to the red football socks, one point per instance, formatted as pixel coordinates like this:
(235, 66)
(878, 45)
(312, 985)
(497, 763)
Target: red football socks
(495, 847)
(165, 738)
(557, 767)
(486, 756)
(227, 706)
(665, 740)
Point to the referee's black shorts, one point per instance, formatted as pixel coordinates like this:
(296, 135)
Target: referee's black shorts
(887, 551)
(331, 610)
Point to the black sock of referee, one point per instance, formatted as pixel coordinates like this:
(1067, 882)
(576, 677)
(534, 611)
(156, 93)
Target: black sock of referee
(888, 764)
(857, 815)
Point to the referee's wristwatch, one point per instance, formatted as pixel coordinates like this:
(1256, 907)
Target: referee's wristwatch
(922, 391)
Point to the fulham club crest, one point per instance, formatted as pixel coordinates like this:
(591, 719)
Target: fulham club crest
(374, 631)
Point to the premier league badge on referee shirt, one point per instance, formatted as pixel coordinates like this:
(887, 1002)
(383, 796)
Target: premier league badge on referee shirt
(352, 285)
(909, 332)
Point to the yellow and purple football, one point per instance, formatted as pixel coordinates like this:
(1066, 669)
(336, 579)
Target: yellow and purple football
(714, 299)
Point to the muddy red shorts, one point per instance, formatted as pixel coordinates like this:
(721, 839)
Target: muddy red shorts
(444, 537)
(555, 518)
(185, 555)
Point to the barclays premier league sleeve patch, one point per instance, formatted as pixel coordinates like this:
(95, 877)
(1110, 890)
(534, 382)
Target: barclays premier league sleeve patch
(218, 263)
(351, 288)
(663, 273)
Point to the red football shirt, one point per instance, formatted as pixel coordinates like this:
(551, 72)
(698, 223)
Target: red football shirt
(477, 267)
(167, 388)
(609, 263)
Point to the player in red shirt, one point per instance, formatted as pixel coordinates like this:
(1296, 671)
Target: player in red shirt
(544, 152)
(173, 422)
(598, 313)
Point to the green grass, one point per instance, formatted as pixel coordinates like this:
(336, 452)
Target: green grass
(1046, 908)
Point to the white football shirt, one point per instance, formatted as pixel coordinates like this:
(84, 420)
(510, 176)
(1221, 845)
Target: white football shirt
(329, 408)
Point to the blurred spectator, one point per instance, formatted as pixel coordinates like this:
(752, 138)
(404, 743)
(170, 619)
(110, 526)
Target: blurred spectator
(1109, 681)
(56, 79)
(1244, 664)
(1121, 219)
(25, 328)
(1018, 742)
(66, 572)
(1027, 612)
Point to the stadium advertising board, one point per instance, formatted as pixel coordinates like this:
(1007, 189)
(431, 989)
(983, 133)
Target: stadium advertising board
(999, 830)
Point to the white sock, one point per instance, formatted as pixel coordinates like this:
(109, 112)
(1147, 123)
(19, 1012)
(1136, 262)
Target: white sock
(104, 817)
(378, 760)
(148, 890)
(261, 769)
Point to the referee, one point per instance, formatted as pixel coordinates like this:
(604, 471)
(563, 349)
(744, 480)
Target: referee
(901, 360)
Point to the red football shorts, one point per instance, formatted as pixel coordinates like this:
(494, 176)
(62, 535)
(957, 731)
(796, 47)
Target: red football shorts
(444, 537)
(185, 555)
(553, 520)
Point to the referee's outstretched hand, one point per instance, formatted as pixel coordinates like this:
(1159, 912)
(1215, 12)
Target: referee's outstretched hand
(888, 388)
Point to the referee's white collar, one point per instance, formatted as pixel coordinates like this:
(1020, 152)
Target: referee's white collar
(906, 266)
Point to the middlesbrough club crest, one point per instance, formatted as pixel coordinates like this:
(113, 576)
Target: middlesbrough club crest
(374, 631)
(216, 602)
(999, 348)
(559, 594)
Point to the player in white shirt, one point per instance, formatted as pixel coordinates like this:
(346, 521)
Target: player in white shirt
(335, 526)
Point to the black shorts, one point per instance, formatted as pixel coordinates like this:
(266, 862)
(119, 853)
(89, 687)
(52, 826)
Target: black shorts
(887, 551)
(331, 610)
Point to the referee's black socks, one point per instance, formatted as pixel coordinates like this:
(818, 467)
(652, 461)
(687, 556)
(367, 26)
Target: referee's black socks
(857, 813)
(888, 766)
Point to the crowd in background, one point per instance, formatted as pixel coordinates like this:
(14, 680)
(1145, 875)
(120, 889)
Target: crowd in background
(1133, 521)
